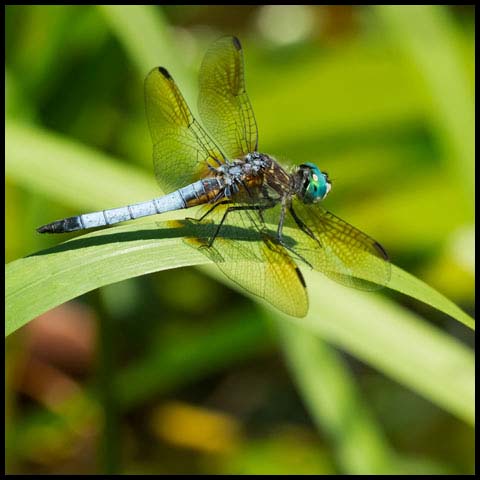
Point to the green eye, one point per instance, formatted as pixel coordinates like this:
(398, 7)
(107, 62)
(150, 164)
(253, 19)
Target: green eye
(317, 185)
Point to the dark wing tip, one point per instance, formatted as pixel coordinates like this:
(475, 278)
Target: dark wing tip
(300, 277)
(381, 250)
(236, 43)
(164, 72)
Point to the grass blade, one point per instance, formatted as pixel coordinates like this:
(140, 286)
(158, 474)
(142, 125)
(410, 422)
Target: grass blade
(331, 396)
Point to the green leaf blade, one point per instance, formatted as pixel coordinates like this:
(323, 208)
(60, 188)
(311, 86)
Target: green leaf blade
(43, 281)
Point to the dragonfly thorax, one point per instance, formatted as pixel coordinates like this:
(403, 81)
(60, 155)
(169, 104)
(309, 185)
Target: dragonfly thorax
(247, 171)
(253, 164)
(312, 185)
(256, 162)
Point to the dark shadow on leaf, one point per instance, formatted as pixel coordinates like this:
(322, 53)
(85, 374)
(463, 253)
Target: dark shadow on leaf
(169, 229)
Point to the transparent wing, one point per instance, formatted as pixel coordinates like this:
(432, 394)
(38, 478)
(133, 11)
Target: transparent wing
(223, 102)
(248, 255)
(182, 150)
(338, 250)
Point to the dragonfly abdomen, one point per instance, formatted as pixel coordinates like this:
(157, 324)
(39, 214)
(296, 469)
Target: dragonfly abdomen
(193, 194)
(203, 191)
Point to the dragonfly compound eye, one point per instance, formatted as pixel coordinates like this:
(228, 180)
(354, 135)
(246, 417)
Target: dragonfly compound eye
(316, 185)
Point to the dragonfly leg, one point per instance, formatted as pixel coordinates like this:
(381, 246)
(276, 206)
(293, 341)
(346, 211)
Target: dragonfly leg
(295, 253)
(283, 243)
(280, 223)
(258, 208)
(303, 227)
(210, 210)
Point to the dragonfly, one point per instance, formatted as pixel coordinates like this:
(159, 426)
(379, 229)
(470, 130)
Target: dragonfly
(259, 219)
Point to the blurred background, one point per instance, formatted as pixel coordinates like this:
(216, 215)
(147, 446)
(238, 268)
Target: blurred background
(139, 377)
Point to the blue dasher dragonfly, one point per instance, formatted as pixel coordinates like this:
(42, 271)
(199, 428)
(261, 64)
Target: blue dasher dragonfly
(259, 218)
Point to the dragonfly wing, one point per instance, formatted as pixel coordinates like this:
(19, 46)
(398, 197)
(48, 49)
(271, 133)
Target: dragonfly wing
(182, 150)
(249, 256)
(223, 102)
(339, 250)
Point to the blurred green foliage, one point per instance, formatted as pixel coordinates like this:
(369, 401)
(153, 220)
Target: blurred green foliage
(380, 97)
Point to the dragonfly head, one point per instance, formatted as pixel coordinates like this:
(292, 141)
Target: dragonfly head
(314, 185)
